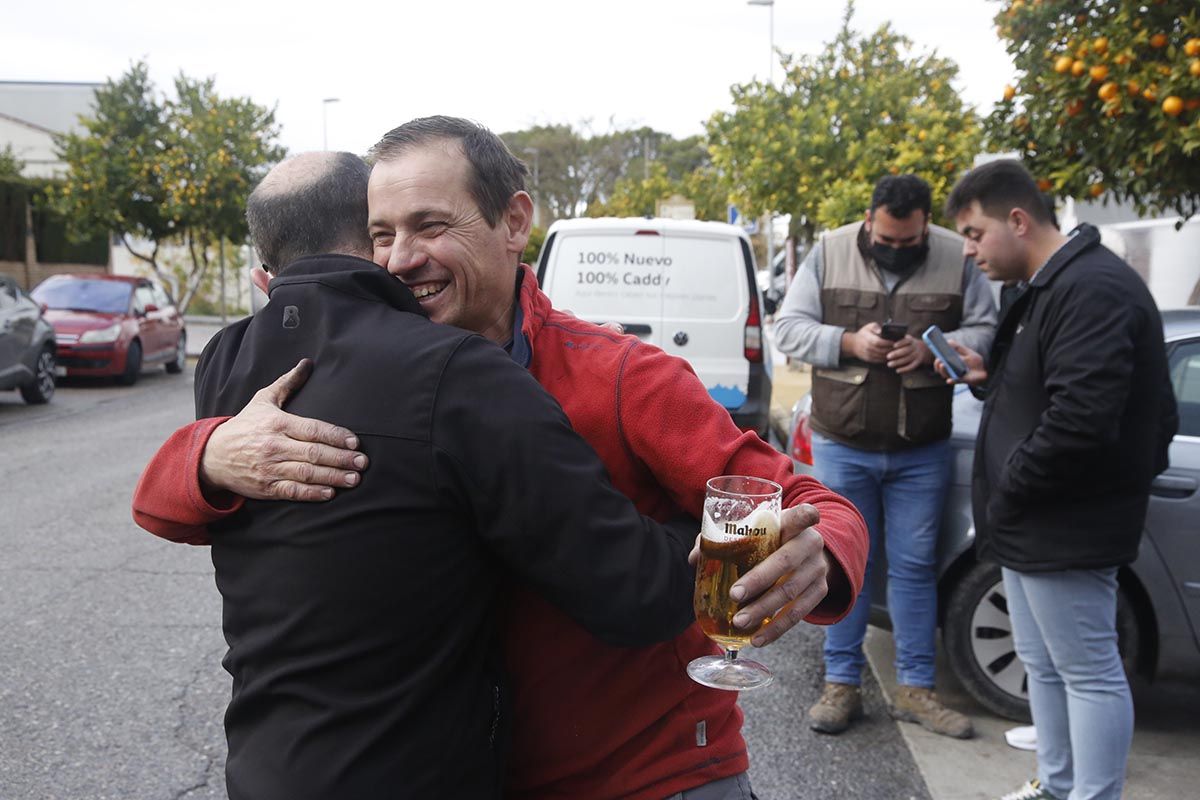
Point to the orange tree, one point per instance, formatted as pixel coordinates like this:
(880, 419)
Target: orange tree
(1107, 98)
(154, 171)
(815, 145)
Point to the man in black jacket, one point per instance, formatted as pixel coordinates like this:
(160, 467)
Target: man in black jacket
(1078, 416)
(361, 631)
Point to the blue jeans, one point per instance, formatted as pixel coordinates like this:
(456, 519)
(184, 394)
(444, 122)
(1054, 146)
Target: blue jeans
(901, 496)
(1065, 630)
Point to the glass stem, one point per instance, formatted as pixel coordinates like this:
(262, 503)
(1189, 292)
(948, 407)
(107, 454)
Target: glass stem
(730, 655)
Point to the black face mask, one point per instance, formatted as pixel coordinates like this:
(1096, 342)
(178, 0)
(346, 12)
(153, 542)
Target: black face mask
(900, 260)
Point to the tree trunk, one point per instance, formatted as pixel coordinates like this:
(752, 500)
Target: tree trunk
(152, 260)
(199, 270)
(30, 244)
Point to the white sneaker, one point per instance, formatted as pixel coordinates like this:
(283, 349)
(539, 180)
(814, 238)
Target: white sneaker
(1032, 790)
(1022, 738)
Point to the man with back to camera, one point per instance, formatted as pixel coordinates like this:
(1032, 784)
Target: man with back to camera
(362, 637)
(1077, 420)
(591, 720)
(881, 422)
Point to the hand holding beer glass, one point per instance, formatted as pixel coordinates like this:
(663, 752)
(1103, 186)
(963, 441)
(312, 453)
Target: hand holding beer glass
(739, 529)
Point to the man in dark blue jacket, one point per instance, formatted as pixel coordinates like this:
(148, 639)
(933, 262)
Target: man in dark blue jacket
(1076, 423)
(361, 631)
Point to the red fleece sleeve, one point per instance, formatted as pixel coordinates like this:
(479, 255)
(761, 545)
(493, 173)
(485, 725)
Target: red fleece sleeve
(684, 437)
(168, 500)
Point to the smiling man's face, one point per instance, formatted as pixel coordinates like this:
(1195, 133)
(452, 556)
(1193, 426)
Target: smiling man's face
(427, 230)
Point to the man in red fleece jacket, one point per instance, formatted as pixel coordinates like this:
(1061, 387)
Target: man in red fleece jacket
(590, 720)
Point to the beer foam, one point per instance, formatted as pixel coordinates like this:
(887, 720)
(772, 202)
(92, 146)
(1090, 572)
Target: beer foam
(762, 518)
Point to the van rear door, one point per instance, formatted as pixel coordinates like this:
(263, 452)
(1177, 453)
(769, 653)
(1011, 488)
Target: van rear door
(603, 276)
(706, 299)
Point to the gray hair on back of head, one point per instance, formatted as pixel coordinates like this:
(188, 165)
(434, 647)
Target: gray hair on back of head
(310, 204)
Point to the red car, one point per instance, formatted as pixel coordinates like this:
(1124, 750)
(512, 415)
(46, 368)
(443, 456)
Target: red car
(112, 325)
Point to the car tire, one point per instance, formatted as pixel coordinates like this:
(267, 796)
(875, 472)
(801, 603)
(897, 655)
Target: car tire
(133, 364)
(41, 389)
(177, 363)
(979, 645)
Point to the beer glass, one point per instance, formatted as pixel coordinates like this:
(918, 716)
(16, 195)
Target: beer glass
(740, 528)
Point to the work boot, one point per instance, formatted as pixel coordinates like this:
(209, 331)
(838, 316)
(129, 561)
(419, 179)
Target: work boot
(920, 705)
(1032, 790)
(840, 703)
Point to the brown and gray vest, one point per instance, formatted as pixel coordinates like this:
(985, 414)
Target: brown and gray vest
(869, 406)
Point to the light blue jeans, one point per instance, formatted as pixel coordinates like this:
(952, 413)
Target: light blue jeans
(901, 496)
(1065, 629)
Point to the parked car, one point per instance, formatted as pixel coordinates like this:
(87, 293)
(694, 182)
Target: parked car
(26, 345)
(112, 325)
(1158, 605)
(772, 283)
(685, 286)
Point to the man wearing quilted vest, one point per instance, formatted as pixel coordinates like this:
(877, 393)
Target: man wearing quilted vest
(881, 422)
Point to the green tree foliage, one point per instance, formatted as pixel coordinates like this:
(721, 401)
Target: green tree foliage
(638, 195)
(10, 165)
(577, 171)
(1107, 98)
(815, 145)
(166, 170)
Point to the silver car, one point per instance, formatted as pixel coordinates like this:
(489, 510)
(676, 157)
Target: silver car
(1158, 606)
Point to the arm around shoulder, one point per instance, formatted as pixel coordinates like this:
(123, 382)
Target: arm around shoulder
(545, 507)
(168, 500)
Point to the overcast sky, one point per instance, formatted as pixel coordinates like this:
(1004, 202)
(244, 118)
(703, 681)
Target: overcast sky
(506, 63)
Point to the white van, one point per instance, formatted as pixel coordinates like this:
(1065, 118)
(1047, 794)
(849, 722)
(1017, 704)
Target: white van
(685, 286)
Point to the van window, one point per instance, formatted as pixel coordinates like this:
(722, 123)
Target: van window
(706, 278)
(628, 276)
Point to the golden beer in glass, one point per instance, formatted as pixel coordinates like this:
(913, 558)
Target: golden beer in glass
(739, 529)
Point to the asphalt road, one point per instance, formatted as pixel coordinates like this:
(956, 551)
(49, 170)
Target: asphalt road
(110, 641)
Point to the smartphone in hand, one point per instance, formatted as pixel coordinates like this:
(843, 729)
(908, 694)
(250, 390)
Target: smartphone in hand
(893, 331)
(941, 349)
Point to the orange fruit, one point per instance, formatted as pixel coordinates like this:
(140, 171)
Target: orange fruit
(1133, 88)
(1150, 94)
(1121, 59)
(1192, 47)
(1109, 91)
(1100, 45)
(1074, 107)
(1096, 189)
(1063, 64)
(922, 135)
(1173, 106)
(1009, 92)
(1078, 68)
(1158, 40)
(1044, 185)
(1098, 72)
(1194, 68)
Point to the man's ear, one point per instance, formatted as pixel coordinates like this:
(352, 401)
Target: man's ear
(1019, 221)
(517, 222)
(867, 220)
(260, 278)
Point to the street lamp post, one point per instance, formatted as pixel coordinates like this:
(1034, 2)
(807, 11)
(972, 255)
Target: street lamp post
(537, 189)
(325, 121)
(769, 217)
(770, 4)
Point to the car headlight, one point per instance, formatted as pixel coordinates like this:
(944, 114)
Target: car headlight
(102, 335)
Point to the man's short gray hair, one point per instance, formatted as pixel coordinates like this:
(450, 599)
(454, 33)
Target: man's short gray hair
(310, 204)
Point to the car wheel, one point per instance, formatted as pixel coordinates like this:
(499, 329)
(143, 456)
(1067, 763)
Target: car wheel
(42, 388)
(980, 648)
(176, 364)
(133, 364)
